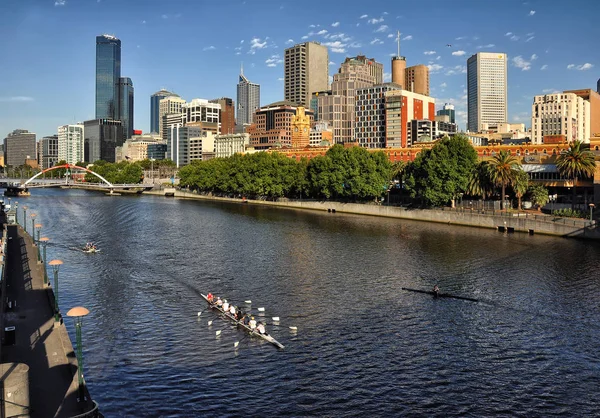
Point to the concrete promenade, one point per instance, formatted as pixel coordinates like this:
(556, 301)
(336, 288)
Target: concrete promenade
(40, 343)
(526, 222)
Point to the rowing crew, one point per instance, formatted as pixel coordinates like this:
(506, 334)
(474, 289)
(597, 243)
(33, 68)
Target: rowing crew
(237, 314)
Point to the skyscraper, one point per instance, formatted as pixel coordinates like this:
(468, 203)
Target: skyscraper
(448, 110)
(416, 79)
(248, 100)
(48, 151)
(70, 143)
(19, 145)
(101, 138)
(155, 108)
(306, 71)
(399, 66)
(486, 90)
(226, 116)
(126, 105)
(108, 73)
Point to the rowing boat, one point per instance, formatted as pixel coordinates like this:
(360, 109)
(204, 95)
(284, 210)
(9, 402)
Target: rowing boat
(249, 330)
(440, 295)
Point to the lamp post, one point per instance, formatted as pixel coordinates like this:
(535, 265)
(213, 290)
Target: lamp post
(55, 267)
(33, 215)
(38, 227)
(24, 216)
(78, 313)
(592, 206)
(152, 169)
(44, 241)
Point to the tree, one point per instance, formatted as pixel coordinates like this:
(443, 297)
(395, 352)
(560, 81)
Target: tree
(479, 182)
(503, 168)
(539, 195)
(576, 163)
(438, 175)
(520, 184)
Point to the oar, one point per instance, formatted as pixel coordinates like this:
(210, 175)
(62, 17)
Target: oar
(283, 326)
(235, 344)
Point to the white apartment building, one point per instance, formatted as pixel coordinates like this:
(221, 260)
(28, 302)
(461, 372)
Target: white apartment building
(70, 143)
(136, 148)
(486, 90)
(227, 145)
(168, 106)
(202, 111)
(560, 117)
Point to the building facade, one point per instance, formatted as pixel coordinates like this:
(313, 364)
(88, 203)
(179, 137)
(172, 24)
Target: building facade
(108, 73)
(178, 143)
(226, 115)
(560, 118)
(321, 135)
(19, 146)
(71, 143)
(227, 145)
(48, 151)
(157, 151)
(202, 114)
(416, 79)
(486, 90)
(155, 108)
(248, 100)
(306, 70)
(448, 110)
(300, 129)
(202, 147)
(101, 138)
(399, 109)
(272, 125)
(370, 125)
(171, 105)
(126, 105)
(594, 99)
(136, 148)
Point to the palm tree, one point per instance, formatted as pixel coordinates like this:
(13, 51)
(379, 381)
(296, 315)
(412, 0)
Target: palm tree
(503, 168)
(576, 163)
(520, 184)
(479, 183)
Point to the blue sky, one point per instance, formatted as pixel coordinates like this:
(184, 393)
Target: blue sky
(195, 48)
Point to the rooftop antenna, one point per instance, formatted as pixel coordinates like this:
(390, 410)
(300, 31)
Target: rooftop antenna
(242, 68)
(398, 44)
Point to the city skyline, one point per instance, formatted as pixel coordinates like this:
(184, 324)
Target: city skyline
(540, 60)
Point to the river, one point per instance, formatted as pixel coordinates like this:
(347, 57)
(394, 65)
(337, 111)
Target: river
(363, 345)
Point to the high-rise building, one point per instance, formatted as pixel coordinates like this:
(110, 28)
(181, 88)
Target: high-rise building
(399, 66)
(126, 105)
(155, 108)
(370, 126)
(559, 118)
(448, 110)
(168, 106)
(19, 145)
(178, 143)
(401, 108)
(48, 151)
(594, 99)
(70, 143)
(248, 100)
(226, 116)
(306, 71)
(101, 138)
(486, 90)
(108, 73)
(202, 114)
(273, 125)
(416, 79)
(598, 86)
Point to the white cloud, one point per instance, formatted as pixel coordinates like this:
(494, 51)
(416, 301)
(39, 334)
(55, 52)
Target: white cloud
(429, 52)
(385, 13)
(458, 53)
(534, 57)
(457, 69)
(443, 85)
(439, 57)
(508, 34)
(376, 41)
(382, 28)
(521, 63)
(338, 36)
(354, 45)
(391, 35)
(331, 63)
(143, 22)
(531, 12)
(322, 32)
(407, 38)
(289, 42)
(515, 38)
(545, 66)
(364, 16)
(209, 48)
(434, 68)
(280, 79)
(531, 34)
(486, 46)
(582, 67)
(16, 99)
(531, 38)
(304, 37)
(257, 43)
(460, 38)
(273, 61)
(570, 66)
(60, 2)
(549, 91)
(335, 24)
(312, 26)
(336, 46)
(387, 77)
(374, 21)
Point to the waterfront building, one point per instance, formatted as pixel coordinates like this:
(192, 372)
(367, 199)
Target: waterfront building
(101, 137)
(108, 74)
(448, 110)
(486, 90)
(306, 70)
(417, 79)
(273, 125)
(126, 105)
(399, 108)
(178, 142)
(19, 146)
(560, 118)
(203, 114)
(136, 148)
(248, 101)
(202, 147)
(321, 134)
(155, 108)
(370, 126)
(157, 151)
(227, 145)
(171, 106)
(48, 151)
(226, 115)
(71, 143)
(594, 99)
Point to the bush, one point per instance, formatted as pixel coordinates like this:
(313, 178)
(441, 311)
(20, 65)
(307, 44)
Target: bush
(569, 213)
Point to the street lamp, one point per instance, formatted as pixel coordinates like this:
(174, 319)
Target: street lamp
(33, 215)
(55, 266)
(24, 216)
(44, 241)
(78, 313)
(38, 227)
(152, 169)
(592, 206)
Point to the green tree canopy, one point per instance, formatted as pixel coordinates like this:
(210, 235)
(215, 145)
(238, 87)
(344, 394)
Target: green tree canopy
(576, 163)
(503, 171)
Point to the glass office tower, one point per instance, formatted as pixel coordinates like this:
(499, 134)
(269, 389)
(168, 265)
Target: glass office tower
(126, 105)
(108, 73)
(155, 108)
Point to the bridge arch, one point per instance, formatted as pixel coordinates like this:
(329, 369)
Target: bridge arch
(68, 166)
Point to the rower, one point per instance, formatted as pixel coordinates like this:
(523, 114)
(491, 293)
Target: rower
(219, 301)
(252, 324)
(245, 320)
(436, 291)
(232, 311)
(225, 305)
(210, 297)
(261, 328)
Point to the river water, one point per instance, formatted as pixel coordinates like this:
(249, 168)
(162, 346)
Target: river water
(363, 345)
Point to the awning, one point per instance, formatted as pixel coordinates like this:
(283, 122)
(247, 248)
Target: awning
(540, 168)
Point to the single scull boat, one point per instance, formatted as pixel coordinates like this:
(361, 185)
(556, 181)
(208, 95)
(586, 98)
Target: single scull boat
(440, 295)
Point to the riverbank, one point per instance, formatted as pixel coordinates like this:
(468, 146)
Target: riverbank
(508, 222)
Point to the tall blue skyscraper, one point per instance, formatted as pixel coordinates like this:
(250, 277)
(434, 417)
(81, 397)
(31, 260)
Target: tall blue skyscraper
(126, 105)
(155, 108)
(108, 73)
